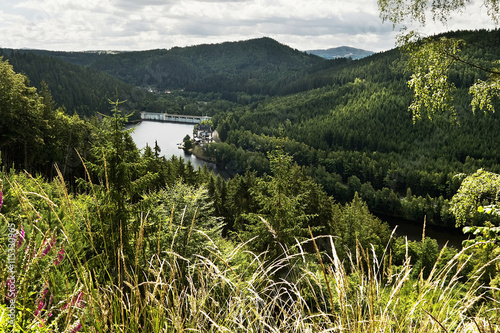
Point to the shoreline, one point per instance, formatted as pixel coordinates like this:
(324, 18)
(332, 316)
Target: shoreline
(198, 152)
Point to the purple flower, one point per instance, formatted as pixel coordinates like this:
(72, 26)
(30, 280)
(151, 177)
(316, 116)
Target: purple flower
(21, 237)
(49, 247)
(41, 305)
(1, 198)
(77, 328)
(60, 256)
(78, 301)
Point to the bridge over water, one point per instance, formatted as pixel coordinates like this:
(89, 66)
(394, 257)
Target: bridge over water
(173, 118)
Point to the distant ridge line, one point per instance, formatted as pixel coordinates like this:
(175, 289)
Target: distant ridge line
(341, 52)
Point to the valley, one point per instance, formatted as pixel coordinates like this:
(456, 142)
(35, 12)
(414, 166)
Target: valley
(113, 226)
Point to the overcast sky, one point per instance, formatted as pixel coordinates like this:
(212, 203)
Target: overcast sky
(71, 25)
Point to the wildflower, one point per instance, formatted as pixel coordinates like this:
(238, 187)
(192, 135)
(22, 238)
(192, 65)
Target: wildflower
(78, 301)
(77, 327)
(60, 256)
(1, 198)
(41, 305)
(21, 237)
(48, 247)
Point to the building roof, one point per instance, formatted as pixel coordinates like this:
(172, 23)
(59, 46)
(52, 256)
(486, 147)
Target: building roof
(204, 128)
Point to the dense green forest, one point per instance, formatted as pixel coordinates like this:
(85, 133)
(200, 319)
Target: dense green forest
(86, 91)
(78, 89)
(258, 67)
(355, 135)
(101, 236)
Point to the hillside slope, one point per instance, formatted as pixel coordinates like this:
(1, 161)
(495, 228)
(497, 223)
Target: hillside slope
(79, 89)
(347, 120)
(256, 67)
(341, 52)
(353, 131)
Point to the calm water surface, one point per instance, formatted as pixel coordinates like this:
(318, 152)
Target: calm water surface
(413, 231)
(168, 135)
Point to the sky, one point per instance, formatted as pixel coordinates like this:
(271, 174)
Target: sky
(69, 25)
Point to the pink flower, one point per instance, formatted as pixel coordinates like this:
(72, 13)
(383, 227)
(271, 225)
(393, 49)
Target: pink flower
(21, 237)
(1, 198)
(78, 301)
(60, 256)
(49, 247)
(41, 305)
(77, 328)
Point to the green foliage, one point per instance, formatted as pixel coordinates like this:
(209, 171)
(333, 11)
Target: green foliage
(477, 191)
(423, 255)
(181, 221)
(281, 217)
(485, 92)
(355, 226)
(46, 248)
(33, 134)
(431, 59)
(241, 71)
(76, 89)
(116, 181)
(142, 234)
(408, 11)
(188, 144)
(185, 277)
(476, 206)
(430, 62)
(20, 109)
(357, 126)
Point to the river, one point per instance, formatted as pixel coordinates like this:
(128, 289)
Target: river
(167, 135)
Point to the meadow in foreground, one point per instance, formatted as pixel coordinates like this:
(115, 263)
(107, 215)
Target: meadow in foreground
(66, 282)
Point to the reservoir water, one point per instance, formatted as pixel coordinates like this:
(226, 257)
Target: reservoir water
(167, 135)
(413, 231)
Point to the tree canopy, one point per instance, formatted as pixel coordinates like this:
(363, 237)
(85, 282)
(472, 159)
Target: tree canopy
(432, 59)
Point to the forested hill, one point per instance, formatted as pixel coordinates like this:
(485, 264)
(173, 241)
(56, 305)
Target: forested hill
(347, 120)
(242, 71)
(83, 90)
(341, 52)
(351, 127)
(256, 67)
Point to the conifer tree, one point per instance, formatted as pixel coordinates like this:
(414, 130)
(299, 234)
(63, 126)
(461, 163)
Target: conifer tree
(281, 201)
(120, 178)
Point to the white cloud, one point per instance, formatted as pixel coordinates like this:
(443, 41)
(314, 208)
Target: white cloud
(147, 24)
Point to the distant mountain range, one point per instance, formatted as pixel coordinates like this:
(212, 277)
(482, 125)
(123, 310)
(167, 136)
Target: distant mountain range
(341, 52)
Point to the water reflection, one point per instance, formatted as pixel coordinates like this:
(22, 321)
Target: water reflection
(168, 136)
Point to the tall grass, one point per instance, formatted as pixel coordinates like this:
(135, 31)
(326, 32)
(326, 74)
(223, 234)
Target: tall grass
(231, 289)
